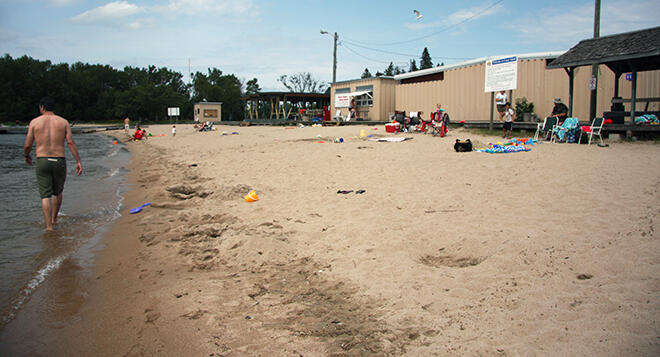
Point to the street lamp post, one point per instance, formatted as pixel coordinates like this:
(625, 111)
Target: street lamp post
(334, 55)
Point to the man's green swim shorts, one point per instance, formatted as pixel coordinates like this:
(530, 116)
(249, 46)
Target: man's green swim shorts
(51, 174)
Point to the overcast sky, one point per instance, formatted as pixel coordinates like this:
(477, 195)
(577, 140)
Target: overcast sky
(265, 39)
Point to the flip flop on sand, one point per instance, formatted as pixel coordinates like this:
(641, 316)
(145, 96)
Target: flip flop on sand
(343, 192)
(138, 209)
(360, 191)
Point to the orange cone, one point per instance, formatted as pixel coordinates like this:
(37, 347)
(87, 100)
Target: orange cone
(251, 197)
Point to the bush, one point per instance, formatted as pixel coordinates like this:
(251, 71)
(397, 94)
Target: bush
(523, 106)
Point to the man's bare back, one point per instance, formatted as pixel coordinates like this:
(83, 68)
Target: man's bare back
(49, 132)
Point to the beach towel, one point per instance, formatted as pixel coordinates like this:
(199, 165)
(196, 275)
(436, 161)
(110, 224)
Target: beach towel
(504, 149)
(391, 140)
(647, 119)
(569, 125)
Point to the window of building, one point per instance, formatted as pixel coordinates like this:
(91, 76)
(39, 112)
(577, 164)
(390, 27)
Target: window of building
(342, 90)
(210, 113)
(365, 100)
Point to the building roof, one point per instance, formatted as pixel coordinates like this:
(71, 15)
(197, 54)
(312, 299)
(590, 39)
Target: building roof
(449, 67)
(209, 103)
(638, 50)
(303, 97)
(364, 79)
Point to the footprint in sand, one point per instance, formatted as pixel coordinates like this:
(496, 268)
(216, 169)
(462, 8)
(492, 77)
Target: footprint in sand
(450, 261)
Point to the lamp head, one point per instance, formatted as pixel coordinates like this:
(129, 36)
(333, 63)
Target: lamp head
(323, 32)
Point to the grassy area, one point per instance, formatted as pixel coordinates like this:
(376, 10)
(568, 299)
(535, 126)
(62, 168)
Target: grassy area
(487, 132)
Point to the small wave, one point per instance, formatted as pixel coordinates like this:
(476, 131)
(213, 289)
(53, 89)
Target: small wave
(113, 152)
(114, 172)
(38, 278)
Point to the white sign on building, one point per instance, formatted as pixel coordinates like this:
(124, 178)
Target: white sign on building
(501, 74)
(173, 112)
(342, 100)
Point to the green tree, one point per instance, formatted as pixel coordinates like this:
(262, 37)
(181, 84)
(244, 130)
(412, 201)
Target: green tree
(389, 71)
(216, 87)
(366, 74)
(413, 66)
(425, 61)
(398, 70)
(252, 87)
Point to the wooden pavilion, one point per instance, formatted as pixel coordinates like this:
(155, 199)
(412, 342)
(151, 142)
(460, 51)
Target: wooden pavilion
(629, 52)
(284, 105)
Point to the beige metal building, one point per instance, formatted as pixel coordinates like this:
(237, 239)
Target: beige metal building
(374, 97)
(460, 89)
(208, 111)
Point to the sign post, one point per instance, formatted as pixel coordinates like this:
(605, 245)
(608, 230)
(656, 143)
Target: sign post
(501, 74)
(173, 112)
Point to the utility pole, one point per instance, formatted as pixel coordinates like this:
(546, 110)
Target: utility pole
(594, 68)
(334, 61)
(334, 55)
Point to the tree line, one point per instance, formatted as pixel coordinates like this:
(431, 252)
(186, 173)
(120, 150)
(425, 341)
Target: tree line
(94, 92)
(392, 70)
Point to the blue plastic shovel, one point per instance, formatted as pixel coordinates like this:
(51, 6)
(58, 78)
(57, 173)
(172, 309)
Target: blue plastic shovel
(138, 209)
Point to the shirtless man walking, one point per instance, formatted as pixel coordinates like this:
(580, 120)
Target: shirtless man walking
(49, 132)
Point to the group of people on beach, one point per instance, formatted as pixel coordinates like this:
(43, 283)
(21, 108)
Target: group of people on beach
(439, 118)
(49, 132)
(507, 115)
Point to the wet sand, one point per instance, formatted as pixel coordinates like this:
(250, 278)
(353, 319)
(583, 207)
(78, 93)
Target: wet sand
(548, 252)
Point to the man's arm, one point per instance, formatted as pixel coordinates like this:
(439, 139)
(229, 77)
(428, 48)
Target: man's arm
(27, 147)
(73, 148)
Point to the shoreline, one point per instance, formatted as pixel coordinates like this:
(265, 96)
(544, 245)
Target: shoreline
(439, 256)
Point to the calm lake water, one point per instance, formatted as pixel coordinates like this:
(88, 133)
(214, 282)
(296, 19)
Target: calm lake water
(30, 258)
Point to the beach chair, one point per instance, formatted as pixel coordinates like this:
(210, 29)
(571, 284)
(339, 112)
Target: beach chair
(543, 128)
(337, 116)
(594, 129)
(569, 126)
(439, 123)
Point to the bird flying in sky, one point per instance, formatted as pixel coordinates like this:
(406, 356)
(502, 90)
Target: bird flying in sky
(419, 16)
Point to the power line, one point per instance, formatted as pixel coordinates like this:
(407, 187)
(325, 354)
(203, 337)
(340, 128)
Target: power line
(438, 32)
(399, 54)
(365, 57)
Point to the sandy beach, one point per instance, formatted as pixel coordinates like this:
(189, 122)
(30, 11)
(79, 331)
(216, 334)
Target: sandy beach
(551, 252)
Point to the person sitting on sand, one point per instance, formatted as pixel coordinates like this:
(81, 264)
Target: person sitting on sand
(139, 134)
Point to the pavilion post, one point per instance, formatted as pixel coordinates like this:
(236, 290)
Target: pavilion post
(617, 75)
(633, 101)
(571, 76)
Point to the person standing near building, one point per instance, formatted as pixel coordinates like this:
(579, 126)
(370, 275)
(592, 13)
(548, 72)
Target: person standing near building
(49, 132)
(500, 99)
(352, 109)
(508, 120)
